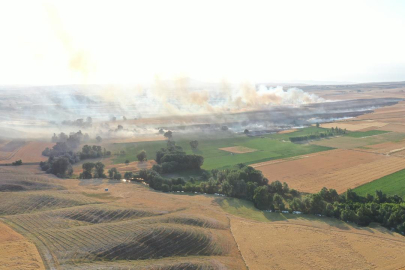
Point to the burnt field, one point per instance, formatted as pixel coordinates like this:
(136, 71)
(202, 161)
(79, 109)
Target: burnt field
(283, 117)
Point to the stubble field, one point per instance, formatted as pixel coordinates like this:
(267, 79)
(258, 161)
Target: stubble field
(338, 169)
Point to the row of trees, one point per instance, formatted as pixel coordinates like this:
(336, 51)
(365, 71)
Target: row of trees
(248, 183)
(319, 135)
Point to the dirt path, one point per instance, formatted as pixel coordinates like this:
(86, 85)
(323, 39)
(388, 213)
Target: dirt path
(17, 252)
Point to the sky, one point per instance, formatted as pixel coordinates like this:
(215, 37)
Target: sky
(126, 42)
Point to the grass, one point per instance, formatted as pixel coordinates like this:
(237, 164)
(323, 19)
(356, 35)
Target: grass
(269, 147)
(361, 134)
(393, 184)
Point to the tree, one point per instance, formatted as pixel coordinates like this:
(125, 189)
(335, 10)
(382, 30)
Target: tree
(261, 198)
(128, 175)
(61, 167)
(99, 170)
(194, 144)
(126, 162)
(87, 170)
(142, 156)
(317, 125)
(286, 189)
(168, 134)
(112, 172)
(17, 163)
(246, 131)
(99, 139)
(161, 131)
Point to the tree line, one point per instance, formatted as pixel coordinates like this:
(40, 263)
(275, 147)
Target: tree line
(319, 135)
(247, 183)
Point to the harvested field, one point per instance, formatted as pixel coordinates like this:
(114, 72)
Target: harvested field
(34, 201)
(12, 146)
(346, 142)
(27, 152)
(238, 149)
(16, 252)
(323, 244)
(354, 125)
(338, 169)
(395, 127)
(137, 229)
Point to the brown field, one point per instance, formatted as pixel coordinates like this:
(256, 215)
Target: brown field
(27, 152)
(346, 142)
(355, 125)
(238, 149)
(322, 244)
(338, 169)
(16, 252)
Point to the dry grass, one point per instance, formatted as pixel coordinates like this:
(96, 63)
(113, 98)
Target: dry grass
(238, 149)
(338, 169)
(16, 252)
(323, 244)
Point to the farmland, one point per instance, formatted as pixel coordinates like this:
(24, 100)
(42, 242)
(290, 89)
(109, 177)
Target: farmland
(26, 151)
(298, 241)
(268, 148)
(338, 169)
(130, 227)
(322, 244)
(14, 247)
(392, 184)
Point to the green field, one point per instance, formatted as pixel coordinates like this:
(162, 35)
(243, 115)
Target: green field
(393, 184)
(268, 148)
(361, 134)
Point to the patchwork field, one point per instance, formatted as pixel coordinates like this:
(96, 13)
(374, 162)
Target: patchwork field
(338, 169)
(26, 151)
(323, 244)
(268, 148)
(16, 252)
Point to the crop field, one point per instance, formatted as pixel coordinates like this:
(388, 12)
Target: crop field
(363, 134)
(346, 142)
(15, 248)
(272, 147)
(355, 125)
(322, 244)
(74, 229)
(392, 184)
(338, 169)
(26, 151)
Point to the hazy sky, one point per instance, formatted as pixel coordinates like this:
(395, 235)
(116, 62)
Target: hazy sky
(65, 42)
